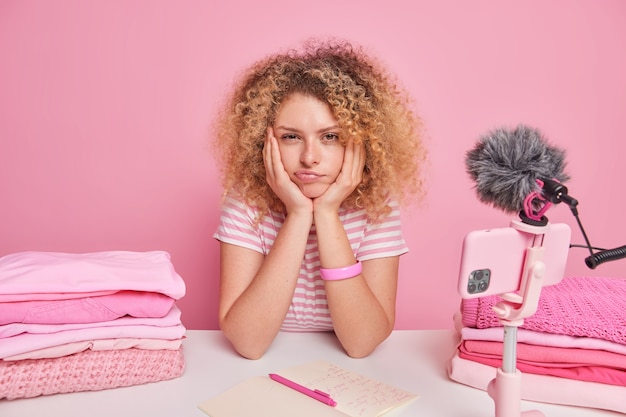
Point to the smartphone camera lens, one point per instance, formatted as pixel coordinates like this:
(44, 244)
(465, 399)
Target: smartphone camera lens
(478, 282)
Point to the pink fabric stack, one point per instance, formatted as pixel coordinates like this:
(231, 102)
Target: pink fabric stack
(571, 351)
(84, 322)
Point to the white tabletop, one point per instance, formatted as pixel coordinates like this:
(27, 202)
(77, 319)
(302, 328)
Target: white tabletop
(413, 360)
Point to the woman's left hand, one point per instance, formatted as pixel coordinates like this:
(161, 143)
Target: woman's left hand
(348, 179)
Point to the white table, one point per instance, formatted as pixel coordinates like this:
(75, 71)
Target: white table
(412, 360)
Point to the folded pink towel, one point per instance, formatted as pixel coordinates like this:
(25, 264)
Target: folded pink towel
(496, 334)
(88, 371)
(67, 349)
(582, 372)
(543, 388)
(27, 276)
(172, 318)
(40, 336)
(550, 356)
(87, 309)
(577, 306)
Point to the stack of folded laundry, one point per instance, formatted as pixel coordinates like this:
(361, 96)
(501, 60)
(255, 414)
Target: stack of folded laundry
(572, 351)
(85, 322)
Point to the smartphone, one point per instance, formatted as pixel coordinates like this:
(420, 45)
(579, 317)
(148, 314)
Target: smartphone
(492, 259)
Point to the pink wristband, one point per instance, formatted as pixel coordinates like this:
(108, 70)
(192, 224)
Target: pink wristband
(336, 274)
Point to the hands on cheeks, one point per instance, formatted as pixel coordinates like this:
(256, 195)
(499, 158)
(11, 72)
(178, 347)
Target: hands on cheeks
(278, 179)
(349, 178)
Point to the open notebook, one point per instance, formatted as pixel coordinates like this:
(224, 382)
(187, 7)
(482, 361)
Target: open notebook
(355, 394)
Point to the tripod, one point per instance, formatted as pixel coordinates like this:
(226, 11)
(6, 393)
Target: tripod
(513, 308)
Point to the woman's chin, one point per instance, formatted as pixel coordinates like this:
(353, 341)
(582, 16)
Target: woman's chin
(313, 190)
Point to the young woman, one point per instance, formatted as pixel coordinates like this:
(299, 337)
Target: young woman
(318, 147)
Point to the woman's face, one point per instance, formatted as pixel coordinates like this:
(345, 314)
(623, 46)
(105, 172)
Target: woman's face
(308, 140)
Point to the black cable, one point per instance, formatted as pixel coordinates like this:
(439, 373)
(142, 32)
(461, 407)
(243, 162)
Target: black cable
(582, 229)
(575, 245)
(604, 255)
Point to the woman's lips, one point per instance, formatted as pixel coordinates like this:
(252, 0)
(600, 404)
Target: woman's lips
(308, 176)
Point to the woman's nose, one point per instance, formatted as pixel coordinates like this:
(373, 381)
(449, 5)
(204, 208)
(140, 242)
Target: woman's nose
(310, 155)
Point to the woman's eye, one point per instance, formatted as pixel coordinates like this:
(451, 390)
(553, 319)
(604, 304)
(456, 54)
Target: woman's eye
(289, 136)
(331, 137)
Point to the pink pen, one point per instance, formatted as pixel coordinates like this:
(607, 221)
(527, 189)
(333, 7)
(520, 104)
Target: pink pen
(315, 394)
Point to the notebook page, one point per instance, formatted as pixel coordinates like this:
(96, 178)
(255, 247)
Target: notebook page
(260, 396)
(356, 395)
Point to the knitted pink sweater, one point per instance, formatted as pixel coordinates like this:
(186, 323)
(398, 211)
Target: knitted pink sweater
(88, 371)
(577, 306)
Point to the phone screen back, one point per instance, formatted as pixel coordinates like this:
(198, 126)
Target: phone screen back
(499, 255)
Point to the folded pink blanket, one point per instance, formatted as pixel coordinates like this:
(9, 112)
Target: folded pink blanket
(582, 372)
(88, 371)
(27, 276)
(577, 306)
(543, 388)
(87, 309)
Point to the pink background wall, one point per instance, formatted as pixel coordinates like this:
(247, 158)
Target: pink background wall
(105, 109)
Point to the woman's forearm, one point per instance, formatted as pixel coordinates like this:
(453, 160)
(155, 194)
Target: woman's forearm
(361, 318)
(363, 307)
(253, 309)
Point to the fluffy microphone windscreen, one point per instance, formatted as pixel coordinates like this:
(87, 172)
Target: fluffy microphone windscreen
(505, 165)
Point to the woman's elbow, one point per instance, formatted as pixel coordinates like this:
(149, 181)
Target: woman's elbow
(359, 353)
(247, 350)
(243, 345)
(252, 354)
(363, 348)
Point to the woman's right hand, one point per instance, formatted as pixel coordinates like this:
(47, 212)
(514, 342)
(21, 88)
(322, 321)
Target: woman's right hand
(279, 181)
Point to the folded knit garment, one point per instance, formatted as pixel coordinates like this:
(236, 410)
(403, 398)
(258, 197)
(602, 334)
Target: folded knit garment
(577, 306)
(88, 371)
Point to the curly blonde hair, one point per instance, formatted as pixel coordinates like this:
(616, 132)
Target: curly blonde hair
(367, 102)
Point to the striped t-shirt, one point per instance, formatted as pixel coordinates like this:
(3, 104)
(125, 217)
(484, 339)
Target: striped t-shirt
(309, 309)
